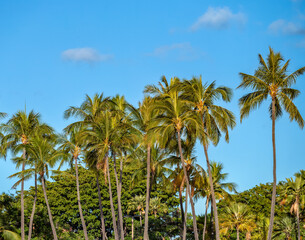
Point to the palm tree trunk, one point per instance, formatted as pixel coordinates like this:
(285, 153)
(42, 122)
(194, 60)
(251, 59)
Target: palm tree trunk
(298, 222)
(103, 233)
(181, 206)
(146, 236)
(22, 196)
(205, 218)
(120, 193)
(237, 234)
(141, 219)
(188, 187)
(212, 192)
(79, 203)
(120, 217)
(132, 229)
(185, 216)
(274, 172)
(33, 210)
(115, 229)
(48, 207)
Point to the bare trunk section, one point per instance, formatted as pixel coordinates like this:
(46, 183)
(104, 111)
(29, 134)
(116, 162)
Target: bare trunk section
(120, 193)
(79, 203)
(274, 172)
(103, 231)
(205, 218)
(115, 229)
(188, 187)
(146, 236)
(185, 216)
(48, 207)
(298, 222)
(120, 217)
(22, 196)
(132, 229)
(181, 207)
(212, 193)
(33, 210)
(237, 234)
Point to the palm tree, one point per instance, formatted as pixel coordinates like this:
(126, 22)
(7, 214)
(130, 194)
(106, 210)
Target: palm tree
(72, 145)
(137, 203)
(271, 79)
(17, 132)
(293, 193)
(221, 188)
(88, 114)
(284, 228)
(156, 206)
(236, 216)
(174, 118)
(213, 119)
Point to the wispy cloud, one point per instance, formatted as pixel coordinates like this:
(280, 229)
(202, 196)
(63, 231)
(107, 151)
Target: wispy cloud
(284, 27)
(86, 54)
(218, 18)
(178, 51)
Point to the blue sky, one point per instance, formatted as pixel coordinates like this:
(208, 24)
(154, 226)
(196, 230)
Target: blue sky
(55, 52)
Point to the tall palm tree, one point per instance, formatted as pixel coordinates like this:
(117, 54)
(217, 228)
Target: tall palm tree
(237, 216)
(294, 194)
(17, 132)
(273, 80)
(174, 118)
(221, 188)
(72, 145)
(213, 118)
(89, 114)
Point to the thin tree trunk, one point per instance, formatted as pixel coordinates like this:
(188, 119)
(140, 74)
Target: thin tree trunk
(298, 222)
(181, 206)
(141, 219)
(185, 216)
(132, 229)
(274, 172)
(22, 196)
(79, 203)
(115, 229)
(120, 193)
(48, 207)
(103, 233)
(237, 234)
(33, 210)
(212, 193)
(120, 217)
(205, 218)
(188, 187)
(146, 236)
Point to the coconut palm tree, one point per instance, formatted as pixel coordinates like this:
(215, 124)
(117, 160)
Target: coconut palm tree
(284, 228)
(213, 119)
(72, 145)
(137, 203)
(17, 131)
(174, 119)
(273, 80)
(237, 216)
(294, 194)
(156, 206)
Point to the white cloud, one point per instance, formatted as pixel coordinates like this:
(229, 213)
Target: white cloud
(284, 27)
(178, 51)
(86, 54)
(218, 18)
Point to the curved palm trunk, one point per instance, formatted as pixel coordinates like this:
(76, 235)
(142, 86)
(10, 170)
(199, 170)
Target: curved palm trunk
(115, 229)
(79, 203)
(33, 210)
(22, 197)
(146, 236)
(48, 207)
(274, 172)
(103, 231)
(188, 188)
(185, 216)
(212, 193)
(205, 218)
(120, 215)
(181, 206)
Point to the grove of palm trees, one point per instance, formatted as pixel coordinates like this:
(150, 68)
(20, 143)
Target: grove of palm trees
(119, 171)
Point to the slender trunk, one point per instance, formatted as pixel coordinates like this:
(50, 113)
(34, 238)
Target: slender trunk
(119, 194)
(205, 218)
(274, 172)
(103, 233)
(115, 229)
(33, 210)
(185, 216)
(237, 233)
(141, 219)
(212, 193)
(22, 196)
(298, 222)
(132, 229)
(181, 206)
(120, 217)
(48, 207)
(79, 203)
(146, 236)
(188, 188)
